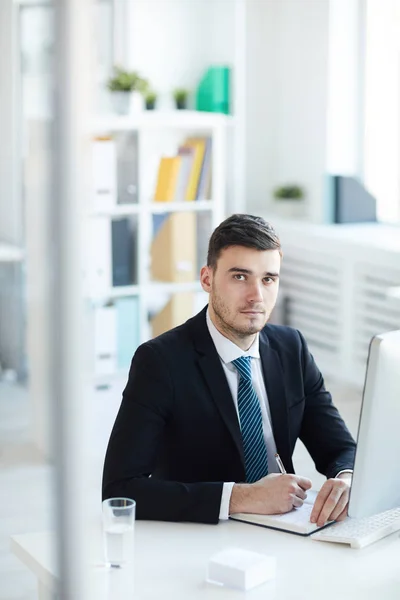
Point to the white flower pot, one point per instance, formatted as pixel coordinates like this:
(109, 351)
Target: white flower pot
(137, 103)
(289, 208)
(121, 102)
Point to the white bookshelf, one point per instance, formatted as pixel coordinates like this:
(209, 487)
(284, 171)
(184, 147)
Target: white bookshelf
(125, 210)
(157, 287)
(162, 119)
(160, 132)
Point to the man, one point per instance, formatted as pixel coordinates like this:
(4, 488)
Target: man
(209, 403)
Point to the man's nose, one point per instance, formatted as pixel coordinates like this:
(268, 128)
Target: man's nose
(255, 292)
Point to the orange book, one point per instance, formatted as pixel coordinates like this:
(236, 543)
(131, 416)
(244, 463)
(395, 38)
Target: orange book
(167, 178)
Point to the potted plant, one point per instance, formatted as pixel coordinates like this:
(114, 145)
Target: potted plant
(150, 98)
(127, 89)
(181, 96)
(289, 199)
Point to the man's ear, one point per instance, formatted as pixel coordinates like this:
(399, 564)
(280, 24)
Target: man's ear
(206, 278)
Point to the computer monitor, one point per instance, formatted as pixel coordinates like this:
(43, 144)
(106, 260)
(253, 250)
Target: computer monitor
(376, 478)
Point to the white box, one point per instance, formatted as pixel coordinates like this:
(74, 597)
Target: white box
(104, 171)
(105, 340)
(241, 569)
(98, 257)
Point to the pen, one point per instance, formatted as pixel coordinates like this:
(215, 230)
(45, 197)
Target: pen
(280, 464)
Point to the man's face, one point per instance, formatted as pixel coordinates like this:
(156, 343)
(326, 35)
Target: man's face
(243, 288)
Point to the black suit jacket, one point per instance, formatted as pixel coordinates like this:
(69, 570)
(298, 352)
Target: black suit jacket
(177, 422)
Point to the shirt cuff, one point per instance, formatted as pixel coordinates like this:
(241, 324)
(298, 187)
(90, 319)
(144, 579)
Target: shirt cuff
(225, 501)
(344, 471)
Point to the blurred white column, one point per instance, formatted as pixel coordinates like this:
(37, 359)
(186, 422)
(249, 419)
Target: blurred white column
(73, 84)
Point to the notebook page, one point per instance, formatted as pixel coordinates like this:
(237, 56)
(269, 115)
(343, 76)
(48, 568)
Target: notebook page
(298, 516)
(298, 519)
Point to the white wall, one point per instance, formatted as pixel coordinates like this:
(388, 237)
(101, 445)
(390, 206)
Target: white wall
(287, 62)
(382, 139)
(345, 113)
(302, 51)
(261, 102)
(172, 42)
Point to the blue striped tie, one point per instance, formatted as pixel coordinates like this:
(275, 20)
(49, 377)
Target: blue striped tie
(255, 450)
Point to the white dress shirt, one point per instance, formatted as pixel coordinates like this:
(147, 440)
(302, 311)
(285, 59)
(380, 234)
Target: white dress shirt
(228, 351)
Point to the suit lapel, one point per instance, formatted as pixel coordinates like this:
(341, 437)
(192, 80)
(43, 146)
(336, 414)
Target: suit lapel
(213, 373)
(274, 384)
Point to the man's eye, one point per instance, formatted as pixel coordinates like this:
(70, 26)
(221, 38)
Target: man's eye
(239, 277)
(268, 279)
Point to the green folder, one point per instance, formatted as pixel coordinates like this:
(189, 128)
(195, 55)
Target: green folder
(213, 93)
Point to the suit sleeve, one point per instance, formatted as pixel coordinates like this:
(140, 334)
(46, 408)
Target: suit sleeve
(135, 441)
(323, 431)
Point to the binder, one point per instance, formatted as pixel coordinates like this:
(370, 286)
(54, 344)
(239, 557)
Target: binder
(98, 256)
(179, 309)
(123, 248)
(347, 201)
(128, 336)
(104, 173)
(127, 167)
(173, 250)
(105, 342)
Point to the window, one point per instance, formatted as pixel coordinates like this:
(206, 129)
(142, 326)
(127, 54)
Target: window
(382, 107)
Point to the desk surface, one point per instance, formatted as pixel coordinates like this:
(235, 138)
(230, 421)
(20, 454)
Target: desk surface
(171, 561)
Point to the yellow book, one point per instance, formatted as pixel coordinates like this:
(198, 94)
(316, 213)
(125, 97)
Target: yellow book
(167, 178)
(199, 146)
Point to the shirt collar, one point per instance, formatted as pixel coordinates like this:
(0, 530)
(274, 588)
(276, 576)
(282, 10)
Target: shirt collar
(227, 350)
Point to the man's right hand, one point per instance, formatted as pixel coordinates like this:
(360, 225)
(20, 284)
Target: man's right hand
(273, 494)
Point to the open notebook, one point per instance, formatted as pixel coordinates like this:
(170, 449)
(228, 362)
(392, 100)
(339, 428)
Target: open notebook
(296, 521)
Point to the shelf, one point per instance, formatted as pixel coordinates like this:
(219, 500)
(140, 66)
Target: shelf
(172, 287)
(10, 253)
(175, 119)
(151, 287)
(119, 210)
(195, 206)
(116, 292)
(154, 207)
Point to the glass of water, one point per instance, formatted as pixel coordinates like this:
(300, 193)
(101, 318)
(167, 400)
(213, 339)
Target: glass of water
(118, 531)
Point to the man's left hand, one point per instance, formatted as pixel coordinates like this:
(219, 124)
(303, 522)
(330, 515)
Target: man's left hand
(332, 501)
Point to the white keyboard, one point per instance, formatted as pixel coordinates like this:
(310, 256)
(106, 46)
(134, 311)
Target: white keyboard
(361, 532)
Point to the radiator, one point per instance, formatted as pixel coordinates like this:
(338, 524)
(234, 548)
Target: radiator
(336, 293)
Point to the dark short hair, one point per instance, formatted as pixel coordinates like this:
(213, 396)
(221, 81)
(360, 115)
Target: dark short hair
(242, 230)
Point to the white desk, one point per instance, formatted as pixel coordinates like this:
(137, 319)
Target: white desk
(171, 561)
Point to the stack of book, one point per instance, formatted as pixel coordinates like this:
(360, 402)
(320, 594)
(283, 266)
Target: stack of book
(186, 176)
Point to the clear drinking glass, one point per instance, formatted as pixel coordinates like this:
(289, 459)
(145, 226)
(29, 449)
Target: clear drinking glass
(118, 531)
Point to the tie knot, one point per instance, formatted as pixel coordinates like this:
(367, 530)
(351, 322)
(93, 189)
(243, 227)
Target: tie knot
(243, 366)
